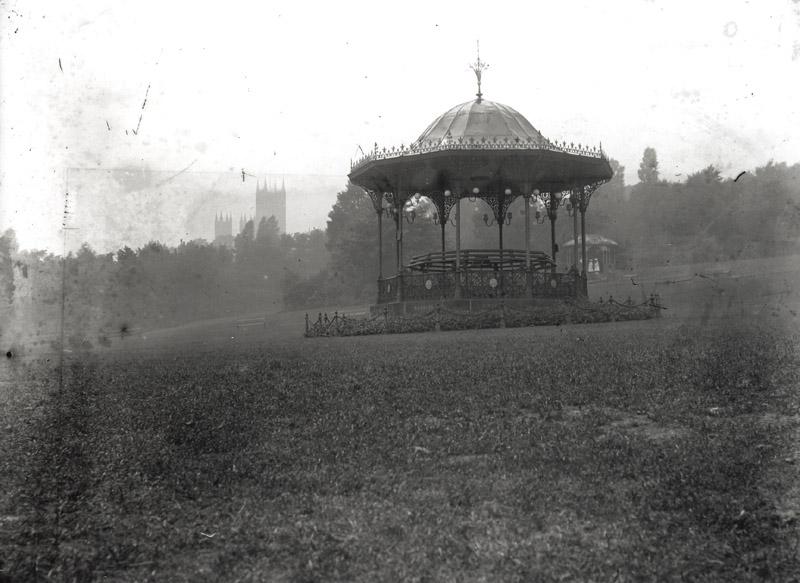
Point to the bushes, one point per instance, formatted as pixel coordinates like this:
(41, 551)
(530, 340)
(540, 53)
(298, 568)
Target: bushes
(501, 317)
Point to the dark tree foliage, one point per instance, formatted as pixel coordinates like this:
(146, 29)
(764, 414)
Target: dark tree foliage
(352, 244)
(113, 294)
(704, 177)
(648, 168)
(706, 218)
(353, 237)
(8, 246)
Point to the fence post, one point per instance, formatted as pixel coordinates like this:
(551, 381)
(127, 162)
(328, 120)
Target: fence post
(385, 320)
(306, 323)
(657, 302)
(502, 314)
(437, 318)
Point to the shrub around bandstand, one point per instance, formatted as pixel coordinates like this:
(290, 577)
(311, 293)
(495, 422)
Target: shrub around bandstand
(501, 316)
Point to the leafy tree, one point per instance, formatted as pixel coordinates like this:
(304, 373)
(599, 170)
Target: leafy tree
(244, 241)
(305, 253)
(268, 231)
(608, 203)
(648, 168)
(706, 176)
(615, 188)
(8, 247)
(353, 239)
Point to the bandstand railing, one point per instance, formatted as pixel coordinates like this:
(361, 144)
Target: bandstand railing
(480, 259)
(479, 284)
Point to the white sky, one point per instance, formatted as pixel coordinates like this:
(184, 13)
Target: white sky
(294, 88)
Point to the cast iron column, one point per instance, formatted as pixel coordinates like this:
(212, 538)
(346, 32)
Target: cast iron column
(500, 230)
(397, 220)
(583, 240)
(458, 246)
(574, 202)
(552, 212)
(380, 244)
(527, 233)
(527, 206)
(443, 220)
(400, 219)
(553, 237)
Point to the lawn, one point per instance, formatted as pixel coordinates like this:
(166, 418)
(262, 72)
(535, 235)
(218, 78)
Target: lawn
(651, 450)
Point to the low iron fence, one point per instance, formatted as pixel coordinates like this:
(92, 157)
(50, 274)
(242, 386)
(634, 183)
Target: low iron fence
(442, 318)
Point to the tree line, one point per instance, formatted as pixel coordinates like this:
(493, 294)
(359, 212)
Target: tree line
(106, 295)
(656, 222)
(705, 218)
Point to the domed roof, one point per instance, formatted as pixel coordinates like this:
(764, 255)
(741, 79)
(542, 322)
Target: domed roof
(480, 119)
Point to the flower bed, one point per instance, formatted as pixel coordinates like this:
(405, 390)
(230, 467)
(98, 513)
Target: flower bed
(444, 319)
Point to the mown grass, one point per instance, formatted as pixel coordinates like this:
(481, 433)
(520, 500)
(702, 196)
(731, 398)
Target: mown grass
(634, 451)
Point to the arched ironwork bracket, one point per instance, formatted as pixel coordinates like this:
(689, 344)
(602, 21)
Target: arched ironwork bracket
(444, 204)
(377, 199)
(499, 204)
(585, 194)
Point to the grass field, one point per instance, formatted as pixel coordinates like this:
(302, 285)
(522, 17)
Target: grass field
(655, 450)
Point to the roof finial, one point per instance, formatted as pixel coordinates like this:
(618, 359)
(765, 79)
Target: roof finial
(478, 68)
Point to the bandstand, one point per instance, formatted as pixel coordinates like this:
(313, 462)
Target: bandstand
(481, 150)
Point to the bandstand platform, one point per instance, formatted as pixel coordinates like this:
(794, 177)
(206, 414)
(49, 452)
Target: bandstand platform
(476, 280)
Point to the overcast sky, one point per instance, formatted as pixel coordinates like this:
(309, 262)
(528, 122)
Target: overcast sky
(296, 87)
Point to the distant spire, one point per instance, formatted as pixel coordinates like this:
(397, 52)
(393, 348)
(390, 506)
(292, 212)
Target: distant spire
(478, 67)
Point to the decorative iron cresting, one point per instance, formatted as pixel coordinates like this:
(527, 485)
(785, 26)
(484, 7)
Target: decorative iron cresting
(445, 145)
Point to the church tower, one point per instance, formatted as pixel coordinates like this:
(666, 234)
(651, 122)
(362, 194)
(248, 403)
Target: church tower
(223, 230)
(271, 202)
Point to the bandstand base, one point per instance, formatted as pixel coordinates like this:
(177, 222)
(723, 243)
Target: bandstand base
(472, 314)
(471, 306)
